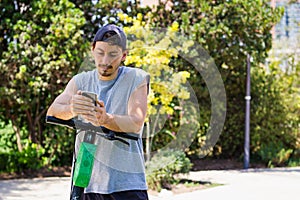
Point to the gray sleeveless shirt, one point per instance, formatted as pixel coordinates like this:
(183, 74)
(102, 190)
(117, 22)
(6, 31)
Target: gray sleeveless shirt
(117, 167)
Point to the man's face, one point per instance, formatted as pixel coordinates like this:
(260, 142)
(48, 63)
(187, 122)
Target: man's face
(108, 59)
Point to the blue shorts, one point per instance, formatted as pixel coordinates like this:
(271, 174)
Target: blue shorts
(124, 195)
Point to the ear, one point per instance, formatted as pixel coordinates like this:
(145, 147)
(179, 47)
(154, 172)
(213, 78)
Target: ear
(93, 48)
(124, 55)
(92, 51)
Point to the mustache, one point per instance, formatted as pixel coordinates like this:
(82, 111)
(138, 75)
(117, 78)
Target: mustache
(108, 66)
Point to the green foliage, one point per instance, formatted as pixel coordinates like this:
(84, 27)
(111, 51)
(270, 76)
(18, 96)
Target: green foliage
(228, 30)
(274, 154)
(30, 158)
(59, 145)
(7, 138)
(163, 167)
(56, 150)
(43, 42)
(100, 12)
(45, 49)
(275, 115)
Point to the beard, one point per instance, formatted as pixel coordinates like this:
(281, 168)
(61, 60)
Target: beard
(107, 71)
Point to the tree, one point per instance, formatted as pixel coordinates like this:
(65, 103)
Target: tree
(42, 50)
(228, 30)
(100, 12)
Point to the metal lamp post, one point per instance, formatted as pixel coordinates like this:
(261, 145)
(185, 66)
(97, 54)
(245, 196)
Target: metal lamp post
(247, 117)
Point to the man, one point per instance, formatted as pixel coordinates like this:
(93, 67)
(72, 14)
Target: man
(118, 171)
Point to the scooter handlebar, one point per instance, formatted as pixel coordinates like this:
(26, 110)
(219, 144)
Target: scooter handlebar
(56, 121)
(79, 125)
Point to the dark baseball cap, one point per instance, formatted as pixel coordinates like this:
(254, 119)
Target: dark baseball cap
(120, 36)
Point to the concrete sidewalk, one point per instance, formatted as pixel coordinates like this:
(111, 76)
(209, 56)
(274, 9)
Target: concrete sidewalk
(275, 184)
(260, 184)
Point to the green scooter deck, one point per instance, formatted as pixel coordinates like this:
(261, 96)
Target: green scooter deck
(84, 164)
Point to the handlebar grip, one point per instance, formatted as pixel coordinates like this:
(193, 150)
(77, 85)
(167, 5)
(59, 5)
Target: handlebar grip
(53, 120)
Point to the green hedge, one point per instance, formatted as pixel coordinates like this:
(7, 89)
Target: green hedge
(30, 158)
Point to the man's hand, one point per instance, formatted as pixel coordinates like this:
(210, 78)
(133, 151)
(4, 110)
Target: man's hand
(85, 107)
(81, 105)
(98, 116)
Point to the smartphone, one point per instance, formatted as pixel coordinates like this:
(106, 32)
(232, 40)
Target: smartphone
(90, 95)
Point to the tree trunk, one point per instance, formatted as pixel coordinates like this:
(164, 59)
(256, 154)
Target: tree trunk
(30, 127)
(18, 136)
(37, 123)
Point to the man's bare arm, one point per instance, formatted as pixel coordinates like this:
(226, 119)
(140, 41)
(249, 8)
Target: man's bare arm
(133, 122)
(137, 110)
(61, 108)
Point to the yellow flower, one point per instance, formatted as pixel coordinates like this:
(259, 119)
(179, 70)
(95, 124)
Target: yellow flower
(184, 75)
(151, 110)
(175, 26)
(128, 19)
(121, 16)
(183, 94)
(139, 16)
(154, 56)
(126, 30)
(166, 110)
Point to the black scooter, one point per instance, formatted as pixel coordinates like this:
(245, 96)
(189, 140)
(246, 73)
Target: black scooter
(84, 160)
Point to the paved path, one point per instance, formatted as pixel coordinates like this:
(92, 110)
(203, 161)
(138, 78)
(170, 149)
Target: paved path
(260, 184)
(267, 184)
(33, 189)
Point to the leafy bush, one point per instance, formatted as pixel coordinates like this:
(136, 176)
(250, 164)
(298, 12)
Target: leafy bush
(59, 145)
(30, 158)
(163, 167)
(274, 121)
(56, 149)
